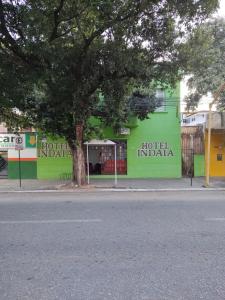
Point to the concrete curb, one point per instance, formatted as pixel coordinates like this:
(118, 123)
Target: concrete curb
(114, 190)
(164, 190)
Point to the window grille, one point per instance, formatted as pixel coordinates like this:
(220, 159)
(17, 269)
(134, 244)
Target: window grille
(160, 100)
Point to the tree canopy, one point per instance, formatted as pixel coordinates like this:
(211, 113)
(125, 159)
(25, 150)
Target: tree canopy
(204, 55)
(57, 57)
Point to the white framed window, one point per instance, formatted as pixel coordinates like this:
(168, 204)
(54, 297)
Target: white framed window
(160, 100)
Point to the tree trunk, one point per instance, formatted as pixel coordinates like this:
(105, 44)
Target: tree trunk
(73, 154)
(79, 173)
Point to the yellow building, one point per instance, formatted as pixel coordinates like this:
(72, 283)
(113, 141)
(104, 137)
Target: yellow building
(217, 147)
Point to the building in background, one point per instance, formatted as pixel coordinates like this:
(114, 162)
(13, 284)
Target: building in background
(217, 144)
(145, 149)
(193, 151)
(195, 145)
(3, 128)
(194, 119)
(18, 152)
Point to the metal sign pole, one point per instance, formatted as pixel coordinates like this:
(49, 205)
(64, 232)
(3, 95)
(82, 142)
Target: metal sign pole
(88, 171)
(19, 146)
(19, 169)
(115, 165)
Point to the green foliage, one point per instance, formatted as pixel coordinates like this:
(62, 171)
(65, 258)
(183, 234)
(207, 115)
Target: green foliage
(13, 120)
(203, 57)
(57, 56)
(142, 104)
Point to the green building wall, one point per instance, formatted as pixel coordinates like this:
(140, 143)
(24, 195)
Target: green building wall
(54, 168)
(24, 160)
(199, 165)
(161, 127)
(28, 169)
(150, 131)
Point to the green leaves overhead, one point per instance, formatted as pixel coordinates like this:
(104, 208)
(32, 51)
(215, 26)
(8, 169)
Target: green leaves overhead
(57, 56)
(203, 57)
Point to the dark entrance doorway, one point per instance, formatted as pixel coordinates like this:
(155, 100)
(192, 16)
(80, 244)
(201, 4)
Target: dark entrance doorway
(187, 162)
(3, 164)
(102, 160)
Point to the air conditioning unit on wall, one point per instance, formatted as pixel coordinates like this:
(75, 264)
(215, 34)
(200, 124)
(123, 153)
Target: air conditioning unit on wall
(124, 131)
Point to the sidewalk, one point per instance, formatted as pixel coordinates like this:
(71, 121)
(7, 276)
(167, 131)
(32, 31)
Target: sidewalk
(7, 185)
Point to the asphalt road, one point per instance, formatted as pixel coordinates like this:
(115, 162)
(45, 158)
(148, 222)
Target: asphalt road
(127, 245)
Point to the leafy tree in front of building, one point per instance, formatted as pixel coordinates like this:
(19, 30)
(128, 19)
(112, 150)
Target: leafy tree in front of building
(57, 57)
(203, 55)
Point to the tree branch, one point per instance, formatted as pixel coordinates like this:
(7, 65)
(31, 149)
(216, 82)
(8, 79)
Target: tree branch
(10, 43)
(7, 39)
(56, 13)
(55, 34)
(111, 22)
(80, 29)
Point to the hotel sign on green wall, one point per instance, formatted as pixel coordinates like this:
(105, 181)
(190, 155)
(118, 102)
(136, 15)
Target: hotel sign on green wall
(155, 149)
(54, 150)
(54, 160)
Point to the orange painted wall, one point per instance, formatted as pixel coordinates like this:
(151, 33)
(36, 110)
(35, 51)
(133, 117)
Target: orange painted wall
(217, 168)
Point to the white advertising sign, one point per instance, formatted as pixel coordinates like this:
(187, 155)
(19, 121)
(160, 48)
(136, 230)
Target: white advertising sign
(9, 141)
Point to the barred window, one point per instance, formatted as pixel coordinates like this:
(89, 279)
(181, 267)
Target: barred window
(160, 100)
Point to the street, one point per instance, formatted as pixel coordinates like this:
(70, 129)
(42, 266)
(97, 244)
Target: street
(112, 245)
